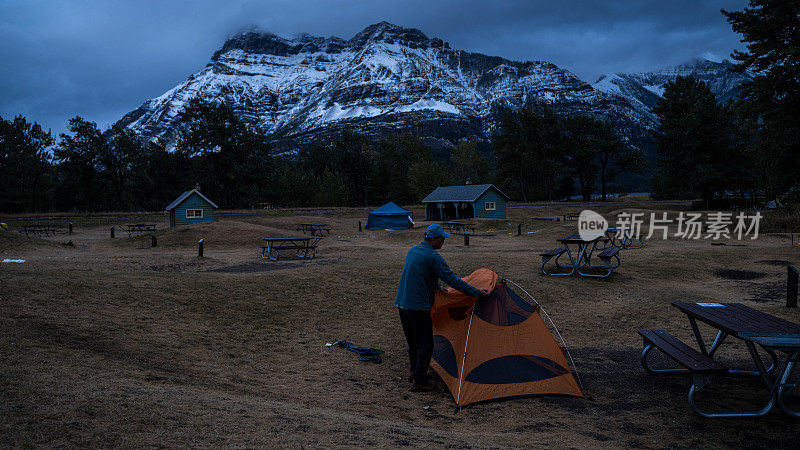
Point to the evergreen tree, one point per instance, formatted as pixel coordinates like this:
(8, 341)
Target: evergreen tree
(692, 141)
(580, 145)
(356, 159)
(616, 157)
(771, 30)
(230, 161)
(79, 184)
(24, 164)
(425, 176)
(525, 146)
(157, 176)
(469, 164)
(396, 154)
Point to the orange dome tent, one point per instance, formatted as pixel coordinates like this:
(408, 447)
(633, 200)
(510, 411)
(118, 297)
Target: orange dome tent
(500, 348)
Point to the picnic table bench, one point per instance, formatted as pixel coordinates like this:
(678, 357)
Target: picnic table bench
(459, 227)
(139, 228)
(38, 230)
(757, 329)
(304, 247)
(581, 258)
(314, 228)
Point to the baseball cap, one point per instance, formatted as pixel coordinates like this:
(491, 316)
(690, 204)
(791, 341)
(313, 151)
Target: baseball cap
(435, 230)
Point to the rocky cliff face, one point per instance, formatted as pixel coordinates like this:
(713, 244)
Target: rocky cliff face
(386, 79)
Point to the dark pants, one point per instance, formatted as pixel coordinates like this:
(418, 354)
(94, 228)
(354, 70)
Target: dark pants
(418, 329)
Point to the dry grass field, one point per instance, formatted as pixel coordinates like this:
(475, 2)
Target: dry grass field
(109, 343)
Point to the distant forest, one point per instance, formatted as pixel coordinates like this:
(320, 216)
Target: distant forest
(748, 148)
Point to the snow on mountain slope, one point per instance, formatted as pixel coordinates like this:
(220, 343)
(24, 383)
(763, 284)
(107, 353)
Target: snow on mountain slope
(385, 79)
(643, 90)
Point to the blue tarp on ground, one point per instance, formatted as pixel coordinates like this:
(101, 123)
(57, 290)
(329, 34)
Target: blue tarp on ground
(389, 217)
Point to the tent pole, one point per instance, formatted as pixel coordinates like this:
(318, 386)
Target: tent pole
(463, 360)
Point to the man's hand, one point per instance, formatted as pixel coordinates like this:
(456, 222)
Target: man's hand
(484, 293)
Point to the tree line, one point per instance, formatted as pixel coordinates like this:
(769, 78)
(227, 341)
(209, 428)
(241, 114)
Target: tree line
(92, 170)
(746, 148)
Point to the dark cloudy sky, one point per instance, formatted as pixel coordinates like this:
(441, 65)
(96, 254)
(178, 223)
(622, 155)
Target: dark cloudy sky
(101, 59)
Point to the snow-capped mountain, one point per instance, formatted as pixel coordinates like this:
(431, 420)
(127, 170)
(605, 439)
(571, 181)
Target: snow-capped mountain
(386, 79)
(643, 90)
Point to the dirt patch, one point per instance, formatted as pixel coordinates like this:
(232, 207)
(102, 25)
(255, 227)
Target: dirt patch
(733, 274)
(107, 345)
(768, 292)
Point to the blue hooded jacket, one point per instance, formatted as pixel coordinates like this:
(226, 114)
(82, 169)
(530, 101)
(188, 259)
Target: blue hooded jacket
(422, 270)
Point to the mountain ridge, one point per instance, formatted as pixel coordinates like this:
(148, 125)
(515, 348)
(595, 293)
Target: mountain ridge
(385, 79)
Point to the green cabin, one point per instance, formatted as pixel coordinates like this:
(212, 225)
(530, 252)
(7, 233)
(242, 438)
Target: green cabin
(479, 201)
(191, 207)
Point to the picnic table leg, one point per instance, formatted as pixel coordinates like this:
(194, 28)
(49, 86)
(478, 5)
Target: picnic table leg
(586, 256)
(784, 388)
(698, 336)
(718, 340)
(762, 371)
(700, 381)
(571, 260)
(721, 335)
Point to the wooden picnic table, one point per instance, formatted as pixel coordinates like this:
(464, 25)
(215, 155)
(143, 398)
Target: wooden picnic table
(314, 228)
(305, 247)
(756, 329)
(139, 228)
(38, 230)
(459, 227)
(580, 258)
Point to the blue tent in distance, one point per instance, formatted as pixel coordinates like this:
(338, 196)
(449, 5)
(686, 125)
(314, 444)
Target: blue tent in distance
(389, 217)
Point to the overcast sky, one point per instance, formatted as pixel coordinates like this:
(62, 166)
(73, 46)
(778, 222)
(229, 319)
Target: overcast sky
(102, 59)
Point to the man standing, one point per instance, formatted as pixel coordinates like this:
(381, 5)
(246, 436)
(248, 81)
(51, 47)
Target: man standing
(418, 284)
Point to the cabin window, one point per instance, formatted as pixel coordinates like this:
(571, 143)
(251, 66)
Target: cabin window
(490, 206)
(194, 213)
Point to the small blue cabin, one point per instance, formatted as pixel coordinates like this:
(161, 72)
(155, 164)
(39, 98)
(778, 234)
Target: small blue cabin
(480, 201)
(191, 207)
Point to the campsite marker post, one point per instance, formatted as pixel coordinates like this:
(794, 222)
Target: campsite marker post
(112, 231)
(200, 248)
(359, 226)
(466, 238)
(70, 228)
(153, 242)
(519, 230)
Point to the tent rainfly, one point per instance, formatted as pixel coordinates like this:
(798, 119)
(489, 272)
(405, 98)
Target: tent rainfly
(496, 347)
(390, 217)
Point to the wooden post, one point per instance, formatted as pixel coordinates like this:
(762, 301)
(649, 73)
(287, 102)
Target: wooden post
(519, 230)
(70, 228)
(791, 286)
(359, 226)
(466, 238)
(153, 242)
(200, 248)
(112, 231)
